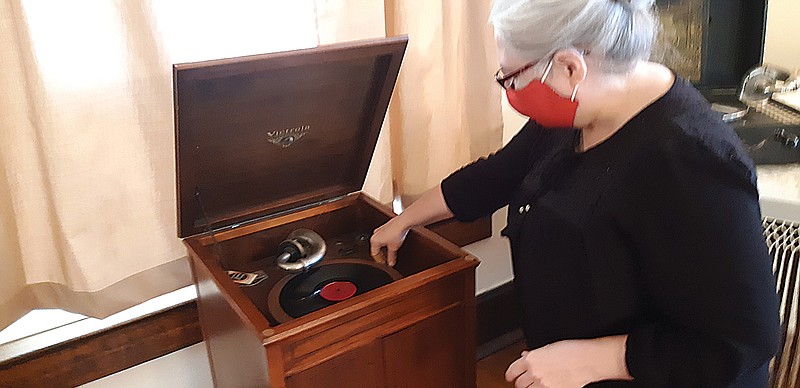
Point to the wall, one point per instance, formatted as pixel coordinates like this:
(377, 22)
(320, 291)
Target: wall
(782, 45)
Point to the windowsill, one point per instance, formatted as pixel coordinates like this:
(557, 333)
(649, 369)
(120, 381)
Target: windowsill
(81, 327)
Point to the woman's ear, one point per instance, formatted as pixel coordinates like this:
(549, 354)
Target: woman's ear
(574, 63)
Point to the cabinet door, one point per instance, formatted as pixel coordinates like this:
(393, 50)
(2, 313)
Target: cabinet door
(430, 353)
(359, 368)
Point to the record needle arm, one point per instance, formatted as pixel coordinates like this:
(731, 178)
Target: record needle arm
(302, 249)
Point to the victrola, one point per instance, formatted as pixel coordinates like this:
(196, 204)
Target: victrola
(271, 152)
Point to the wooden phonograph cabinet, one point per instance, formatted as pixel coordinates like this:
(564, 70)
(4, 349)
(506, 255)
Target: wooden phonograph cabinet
(271, 153)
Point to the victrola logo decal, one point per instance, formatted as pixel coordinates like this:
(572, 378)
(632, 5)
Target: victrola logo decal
(287, 137)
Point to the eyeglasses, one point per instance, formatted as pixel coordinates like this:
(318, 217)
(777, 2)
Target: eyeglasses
(506, 81)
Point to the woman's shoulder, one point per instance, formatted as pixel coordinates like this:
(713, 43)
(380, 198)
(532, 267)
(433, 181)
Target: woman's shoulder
(684, 129)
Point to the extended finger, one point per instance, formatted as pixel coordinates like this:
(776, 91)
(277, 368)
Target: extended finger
(374, 246)
(391, 256)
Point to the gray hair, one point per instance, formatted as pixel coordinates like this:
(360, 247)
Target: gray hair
(622, 31)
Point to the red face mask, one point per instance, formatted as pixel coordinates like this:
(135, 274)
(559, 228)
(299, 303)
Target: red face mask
(542, 104)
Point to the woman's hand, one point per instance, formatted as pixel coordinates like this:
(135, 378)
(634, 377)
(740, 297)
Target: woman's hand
(571, 364)
(387, 239)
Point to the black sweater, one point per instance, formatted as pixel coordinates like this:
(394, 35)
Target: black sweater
(655, 233)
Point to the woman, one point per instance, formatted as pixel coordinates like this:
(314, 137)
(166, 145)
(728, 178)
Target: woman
(633, 211)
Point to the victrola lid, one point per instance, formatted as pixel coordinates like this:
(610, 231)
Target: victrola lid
(263, 134)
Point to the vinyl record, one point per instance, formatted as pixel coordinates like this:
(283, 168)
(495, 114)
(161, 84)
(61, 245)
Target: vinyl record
(325, 285)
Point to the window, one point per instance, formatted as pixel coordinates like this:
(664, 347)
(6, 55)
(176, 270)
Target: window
(85, 47)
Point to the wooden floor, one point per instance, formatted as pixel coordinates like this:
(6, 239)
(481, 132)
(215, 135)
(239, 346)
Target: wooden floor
(491, 370)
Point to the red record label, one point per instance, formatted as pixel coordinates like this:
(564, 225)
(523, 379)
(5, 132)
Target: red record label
(338, 291)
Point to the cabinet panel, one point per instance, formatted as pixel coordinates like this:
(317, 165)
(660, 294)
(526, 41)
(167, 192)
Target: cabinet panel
(226, 336)
(417, 305)
(428, 354)
(361, 368)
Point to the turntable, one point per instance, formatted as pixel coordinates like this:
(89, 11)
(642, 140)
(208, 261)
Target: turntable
(765, 113)
(271, 152)
(308, 273)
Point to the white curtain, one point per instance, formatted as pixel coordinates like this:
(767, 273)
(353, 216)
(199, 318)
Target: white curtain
(87, 181)
(446, 111)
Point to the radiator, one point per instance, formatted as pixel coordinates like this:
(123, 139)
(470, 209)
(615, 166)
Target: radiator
(783, 240)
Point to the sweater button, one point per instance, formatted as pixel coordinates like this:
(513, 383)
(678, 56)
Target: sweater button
(521, 209)
(527, 208)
